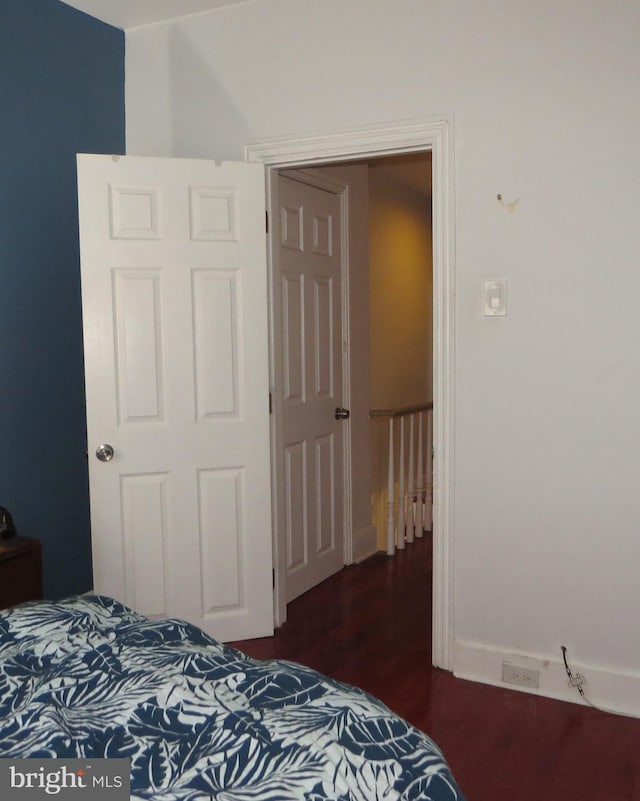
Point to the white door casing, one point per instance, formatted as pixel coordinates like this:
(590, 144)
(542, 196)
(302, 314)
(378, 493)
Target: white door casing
(435, 135)
(174, 292)
(308, 263)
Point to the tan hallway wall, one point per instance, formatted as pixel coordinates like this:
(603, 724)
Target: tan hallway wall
(400, 286)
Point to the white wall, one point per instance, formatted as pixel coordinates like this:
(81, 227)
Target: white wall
(544, 101)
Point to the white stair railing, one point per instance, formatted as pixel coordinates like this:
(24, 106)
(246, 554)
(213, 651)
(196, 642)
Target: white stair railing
(410, 498)
(411, 486)
(420, 489)
(402, 507)
(428, 484)
(391, 505)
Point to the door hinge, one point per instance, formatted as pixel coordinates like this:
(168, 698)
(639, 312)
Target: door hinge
(270, 403)
(266, 216)
(273, 577)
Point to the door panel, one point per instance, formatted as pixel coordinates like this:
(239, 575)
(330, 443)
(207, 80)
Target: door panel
(144, 500)
(175, 327)
(139, 349)
(308, 356)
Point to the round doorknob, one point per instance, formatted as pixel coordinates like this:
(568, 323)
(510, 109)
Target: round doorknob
(104, 452)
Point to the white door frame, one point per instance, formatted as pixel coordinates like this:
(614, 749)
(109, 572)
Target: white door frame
(396, 139)
(317, 179)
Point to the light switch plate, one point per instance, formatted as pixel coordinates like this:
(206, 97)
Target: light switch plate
(495, 297)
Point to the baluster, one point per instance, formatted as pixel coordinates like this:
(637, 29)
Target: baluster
(400, 534)
(390, 496)
(411, 487)
(419, 483)
(428, 523)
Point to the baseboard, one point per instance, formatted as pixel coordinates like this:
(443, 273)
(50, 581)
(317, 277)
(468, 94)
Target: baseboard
(608, 690)
(365, 543)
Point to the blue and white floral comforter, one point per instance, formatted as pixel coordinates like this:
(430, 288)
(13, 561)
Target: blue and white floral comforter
(87, 678)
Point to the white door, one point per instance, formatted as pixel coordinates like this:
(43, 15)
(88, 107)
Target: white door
(307, 300)
(174, 294)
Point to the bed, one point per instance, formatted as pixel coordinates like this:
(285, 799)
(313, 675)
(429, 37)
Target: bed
(87, 677)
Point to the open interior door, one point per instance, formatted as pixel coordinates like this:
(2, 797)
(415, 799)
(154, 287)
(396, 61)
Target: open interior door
(174, 295)
(308, 264)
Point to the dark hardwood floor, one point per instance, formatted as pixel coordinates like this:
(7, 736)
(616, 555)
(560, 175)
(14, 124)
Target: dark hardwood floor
(370, 625)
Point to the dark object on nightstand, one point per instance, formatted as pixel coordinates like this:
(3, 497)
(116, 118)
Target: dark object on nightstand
(20, 571)
(7, 526)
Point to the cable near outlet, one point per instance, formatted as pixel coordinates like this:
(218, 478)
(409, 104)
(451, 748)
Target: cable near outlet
(576, 680)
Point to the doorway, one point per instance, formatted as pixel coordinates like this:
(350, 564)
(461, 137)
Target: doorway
(387, 141)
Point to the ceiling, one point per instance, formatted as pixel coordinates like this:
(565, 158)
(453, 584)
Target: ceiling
(127, 14)
(412, 170)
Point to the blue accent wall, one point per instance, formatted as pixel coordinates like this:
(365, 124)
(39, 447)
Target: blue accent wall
(61, 92)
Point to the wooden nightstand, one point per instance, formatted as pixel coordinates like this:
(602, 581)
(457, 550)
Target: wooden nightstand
(20, 571)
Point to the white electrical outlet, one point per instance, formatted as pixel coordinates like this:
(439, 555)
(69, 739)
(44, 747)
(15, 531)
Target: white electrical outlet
(524, 677)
